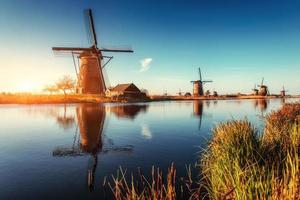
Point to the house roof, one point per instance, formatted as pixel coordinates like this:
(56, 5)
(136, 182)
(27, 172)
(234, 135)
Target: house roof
(124, 87)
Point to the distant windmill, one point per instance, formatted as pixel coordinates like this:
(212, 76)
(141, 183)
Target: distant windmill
(283, 92)
(263, 89)
(255, 90)
(198, 85)
(179, 93)
(90, 77)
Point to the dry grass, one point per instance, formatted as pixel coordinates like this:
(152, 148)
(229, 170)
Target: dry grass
(44, 99)
(142, 188)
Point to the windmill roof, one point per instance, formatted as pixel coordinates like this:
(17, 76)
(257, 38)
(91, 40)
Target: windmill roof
(123, 87)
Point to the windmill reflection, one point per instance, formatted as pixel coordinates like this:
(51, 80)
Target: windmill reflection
(90, 121)
(261, 104)
(198, 111)
(90, 140)
(282, 100)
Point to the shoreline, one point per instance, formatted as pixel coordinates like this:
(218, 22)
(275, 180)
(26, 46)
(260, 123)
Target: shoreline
(74, 98)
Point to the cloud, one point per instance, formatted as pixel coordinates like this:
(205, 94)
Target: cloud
(145, 131)
(145, 64)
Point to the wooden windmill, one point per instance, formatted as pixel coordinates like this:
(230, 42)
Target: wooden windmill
(255, 90)
(283, 92)
(90, 79)
(263, 89)
(198, 85)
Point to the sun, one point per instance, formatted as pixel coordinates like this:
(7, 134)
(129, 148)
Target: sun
(26, 86)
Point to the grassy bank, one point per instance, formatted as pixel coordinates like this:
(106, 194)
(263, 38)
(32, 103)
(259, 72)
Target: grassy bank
(7, 98)
(60, 98)
(239, 163)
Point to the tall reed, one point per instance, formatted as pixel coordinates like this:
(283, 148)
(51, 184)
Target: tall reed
(239, 163)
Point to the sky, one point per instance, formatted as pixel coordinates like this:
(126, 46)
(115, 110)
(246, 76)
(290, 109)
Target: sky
(235, 43)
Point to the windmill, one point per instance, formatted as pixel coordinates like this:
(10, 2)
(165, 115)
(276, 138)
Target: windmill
(198, 85)
(179, 92)
(263, 89)
(255, 90)
(90, 79)
(283, 92)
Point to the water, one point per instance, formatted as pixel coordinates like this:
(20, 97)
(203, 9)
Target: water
(51, 151)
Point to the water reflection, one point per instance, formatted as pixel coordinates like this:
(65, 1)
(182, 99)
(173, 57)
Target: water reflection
(145, 131)
(166, 133)
(63, 117)
(90, 121)
(198, 111)
(90, 140)
(66, 121)
(128, 111)
(262, 105)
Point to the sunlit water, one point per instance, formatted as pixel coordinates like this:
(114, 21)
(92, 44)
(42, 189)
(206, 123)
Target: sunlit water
(49, 151)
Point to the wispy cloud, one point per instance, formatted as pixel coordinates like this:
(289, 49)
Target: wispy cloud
(145, 131)
(145, 64)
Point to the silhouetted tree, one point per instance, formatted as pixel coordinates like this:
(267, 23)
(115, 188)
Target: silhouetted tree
(66, 83)
(50, 88)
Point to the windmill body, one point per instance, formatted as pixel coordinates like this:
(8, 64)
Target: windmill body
(198, 85)
(255, 91)
(90, 79)
(197, 88)
(263, 89)
(283, 92)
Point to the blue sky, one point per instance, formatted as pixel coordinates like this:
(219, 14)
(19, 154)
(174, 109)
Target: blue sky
(236, 43)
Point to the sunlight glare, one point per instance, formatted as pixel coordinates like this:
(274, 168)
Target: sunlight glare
(26, 86)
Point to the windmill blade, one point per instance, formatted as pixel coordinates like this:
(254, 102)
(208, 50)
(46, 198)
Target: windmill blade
(92, 27)
(262, 81)
(117, 50)
(200, 74)
(207, 81)
(70, 49)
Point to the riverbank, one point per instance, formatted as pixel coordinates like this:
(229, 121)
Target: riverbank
(60, 98)
(221, 97)
(80, 98)
(239, 163)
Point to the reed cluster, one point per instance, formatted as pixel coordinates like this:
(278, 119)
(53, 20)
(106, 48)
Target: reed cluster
(140, 188)
(241, 163)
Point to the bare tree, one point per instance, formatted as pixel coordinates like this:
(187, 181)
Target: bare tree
(66, 83)
(50, 88)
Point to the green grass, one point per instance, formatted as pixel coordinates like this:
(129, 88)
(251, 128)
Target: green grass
(239, 163)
